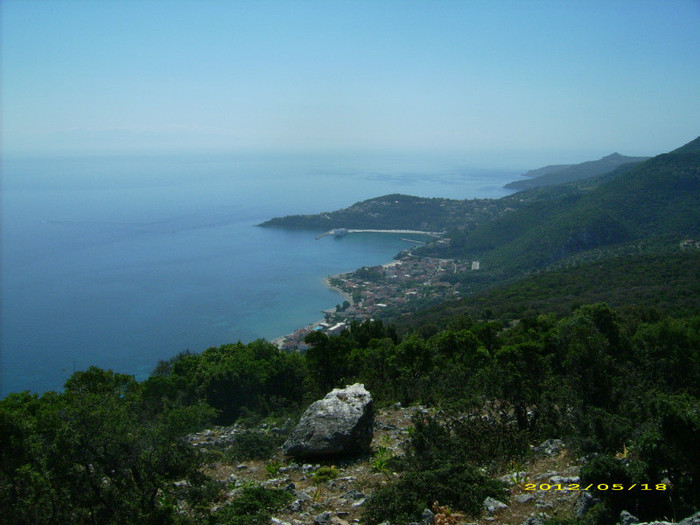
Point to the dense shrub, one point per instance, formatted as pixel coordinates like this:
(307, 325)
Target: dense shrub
(443, 463)
(235, 379)
(253, 505)
(625, 473)
(462, 487)
(93, 454)
(324, 474)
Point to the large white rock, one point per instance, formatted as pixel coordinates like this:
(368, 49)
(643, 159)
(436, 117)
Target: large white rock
(342, 423)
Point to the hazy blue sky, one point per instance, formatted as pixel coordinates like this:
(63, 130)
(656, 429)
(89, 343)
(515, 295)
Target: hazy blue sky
(505, 81)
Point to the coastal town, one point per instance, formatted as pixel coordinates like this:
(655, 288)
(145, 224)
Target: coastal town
(380, 291)
(405, 285)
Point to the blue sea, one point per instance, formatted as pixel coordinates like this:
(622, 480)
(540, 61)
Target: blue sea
(122, 261)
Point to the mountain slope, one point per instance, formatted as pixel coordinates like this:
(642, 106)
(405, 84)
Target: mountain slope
(655, 201)
(669, 283)
(398, 212)
(552, 175)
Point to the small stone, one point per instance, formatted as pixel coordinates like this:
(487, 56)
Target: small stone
(492, 505)
(524, 498)
(538, 519)
(304, 495)
(513, 478)
(628, 519)
(563, 480)
(584, 503)
(691, 520)
(353, 494)
(551, 447)
(323, 518)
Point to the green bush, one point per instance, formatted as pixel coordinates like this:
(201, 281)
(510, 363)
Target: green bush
(324, 474)
(94, 454)
(442, 464)
(198, 493)
(610, 470)
(253, 505)
(664, 455)
(462, 487)
(470, 439)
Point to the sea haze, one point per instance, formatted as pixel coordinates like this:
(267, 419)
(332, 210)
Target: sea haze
(120, 262)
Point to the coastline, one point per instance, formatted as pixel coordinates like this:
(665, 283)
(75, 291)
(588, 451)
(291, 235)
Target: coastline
(392, 287)
(281, 340)
(327, 283)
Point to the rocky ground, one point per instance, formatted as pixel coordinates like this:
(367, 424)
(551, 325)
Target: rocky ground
(341, 500)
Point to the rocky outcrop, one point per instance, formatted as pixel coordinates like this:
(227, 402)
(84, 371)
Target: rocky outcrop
(340, 424)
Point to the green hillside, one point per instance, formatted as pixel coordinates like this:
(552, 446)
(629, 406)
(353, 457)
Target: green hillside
(663, 283)
(552, 175)
(398, 212)
(656, 201)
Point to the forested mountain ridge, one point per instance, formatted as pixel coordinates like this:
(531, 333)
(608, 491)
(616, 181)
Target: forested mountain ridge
(397, 211)
(656, 201)
(552, 175)
(666, 283)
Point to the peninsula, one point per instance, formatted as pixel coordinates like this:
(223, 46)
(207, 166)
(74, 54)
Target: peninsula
(399, 212)
(560, 174)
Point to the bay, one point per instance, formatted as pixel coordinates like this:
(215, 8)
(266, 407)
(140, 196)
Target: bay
(122, 261)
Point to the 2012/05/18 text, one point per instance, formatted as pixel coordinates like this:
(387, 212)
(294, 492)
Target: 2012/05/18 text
(593, 486)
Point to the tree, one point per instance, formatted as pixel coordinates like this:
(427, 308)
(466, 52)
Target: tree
(93, 454)
(327, 360)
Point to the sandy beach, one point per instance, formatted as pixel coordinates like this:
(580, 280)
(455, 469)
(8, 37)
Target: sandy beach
(279, 341)
(327, 282)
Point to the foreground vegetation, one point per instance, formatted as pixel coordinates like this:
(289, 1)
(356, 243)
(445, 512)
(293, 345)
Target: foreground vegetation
(109, 449)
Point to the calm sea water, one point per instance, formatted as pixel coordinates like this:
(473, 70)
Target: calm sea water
(122, 261)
